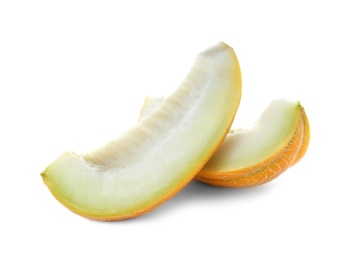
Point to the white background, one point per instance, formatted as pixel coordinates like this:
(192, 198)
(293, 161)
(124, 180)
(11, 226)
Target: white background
(73, 74)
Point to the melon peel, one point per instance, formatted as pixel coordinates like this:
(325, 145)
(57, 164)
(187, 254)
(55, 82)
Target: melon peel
(142, 169)
(306, 137)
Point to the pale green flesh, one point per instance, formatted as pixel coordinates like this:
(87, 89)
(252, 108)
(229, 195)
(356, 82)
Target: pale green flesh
(245, 148)
(163, 152)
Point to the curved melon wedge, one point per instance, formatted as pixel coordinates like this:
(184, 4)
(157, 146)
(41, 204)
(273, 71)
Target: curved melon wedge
(153, 161)
(251, 157)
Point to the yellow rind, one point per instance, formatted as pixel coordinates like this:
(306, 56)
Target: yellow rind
(306, 138)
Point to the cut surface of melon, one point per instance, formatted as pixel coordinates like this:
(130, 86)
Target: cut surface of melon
(140, 170)
(279, 139)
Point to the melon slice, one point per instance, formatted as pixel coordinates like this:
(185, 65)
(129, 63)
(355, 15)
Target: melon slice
(140, 170)
(255, 156)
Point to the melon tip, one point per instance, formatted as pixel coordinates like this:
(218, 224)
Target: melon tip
(43, 175)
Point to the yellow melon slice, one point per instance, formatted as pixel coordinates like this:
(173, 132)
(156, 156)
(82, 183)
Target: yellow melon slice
(140, 170)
